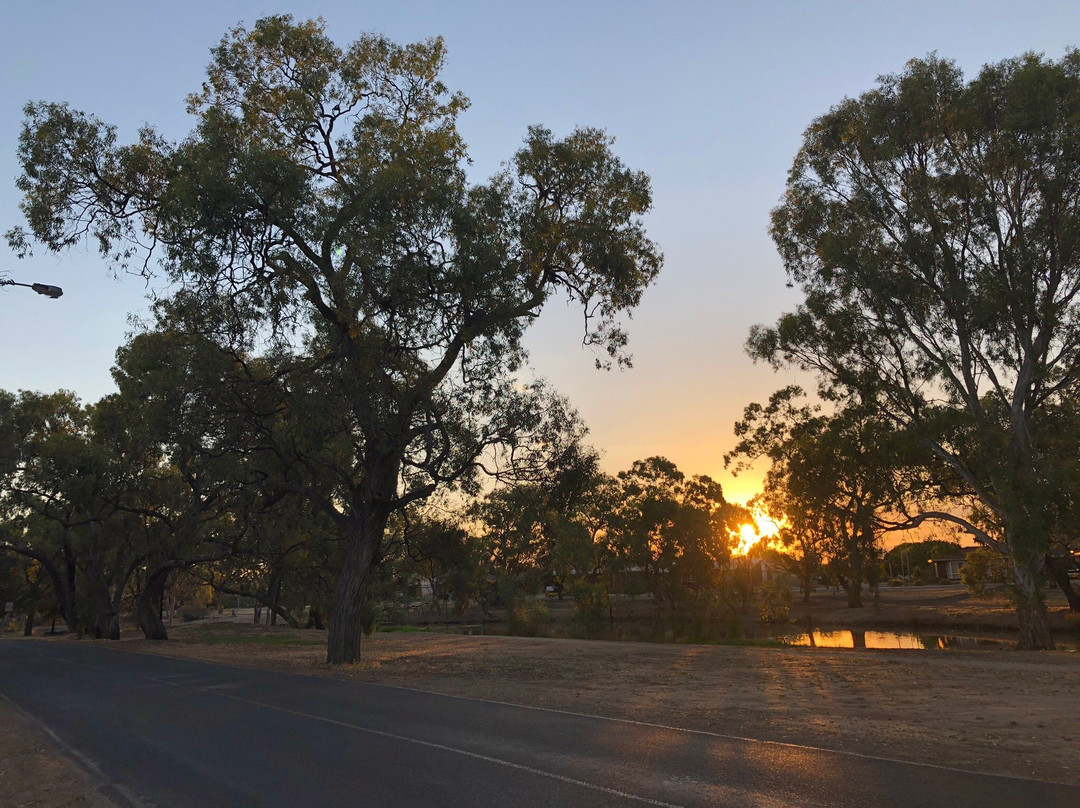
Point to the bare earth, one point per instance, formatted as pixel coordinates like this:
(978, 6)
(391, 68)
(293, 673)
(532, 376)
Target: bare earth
(34, 771)
(1004, 712)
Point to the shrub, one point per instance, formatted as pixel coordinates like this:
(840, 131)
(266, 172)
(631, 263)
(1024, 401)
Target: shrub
(592, 604)
(527, 619)
(775, 601)
(734, 627)
(393, 613)
(1072, 622)
(191, 611)
(984, 567)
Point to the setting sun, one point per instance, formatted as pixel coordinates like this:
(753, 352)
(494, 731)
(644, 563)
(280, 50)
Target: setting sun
(763, 528)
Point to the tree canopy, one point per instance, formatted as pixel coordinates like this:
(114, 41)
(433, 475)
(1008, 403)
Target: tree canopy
(319, 213)
(934, 228)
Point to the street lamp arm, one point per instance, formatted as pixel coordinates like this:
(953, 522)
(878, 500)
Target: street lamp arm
(41, 288)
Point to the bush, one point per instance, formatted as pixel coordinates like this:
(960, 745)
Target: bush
(775, 601)
(635, 587)
(984, 567)
(896, 582)
(192, 611)
(734, 627)
(527, 619)
(393, 613)
(592, 604)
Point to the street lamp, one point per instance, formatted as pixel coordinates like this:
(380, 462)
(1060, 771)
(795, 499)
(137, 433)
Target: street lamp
(41, 288)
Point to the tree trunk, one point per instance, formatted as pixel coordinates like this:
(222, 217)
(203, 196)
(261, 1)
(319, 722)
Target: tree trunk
(315, 620)
(275, 611)
(343, 636)
(64, 590)
(273, 598)
(149, 604)
(1057, 567)
(853, 588)
(107, 615)
(28, 626)
(854, 595)
(170, 605)
(107, 625)
(1030, 606)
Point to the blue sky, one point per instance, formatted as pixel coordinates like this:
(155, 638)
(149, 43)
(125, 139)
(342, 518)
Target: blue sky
(710, 99)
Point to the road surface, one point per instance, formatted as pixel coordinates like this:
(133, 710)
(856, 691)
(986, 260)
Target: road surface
(178, 733)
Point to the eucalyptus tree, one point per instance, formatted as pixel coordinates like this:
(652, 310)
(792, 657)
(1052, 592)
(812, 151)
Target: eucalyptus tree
(203, 410)
(79, 500)
(835, 479)
(43, 436)
(933, 225)
(320, 209)
(675, 529)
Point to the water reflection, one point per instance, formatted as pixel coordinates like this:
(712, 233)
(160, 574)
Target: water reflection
(887, 639)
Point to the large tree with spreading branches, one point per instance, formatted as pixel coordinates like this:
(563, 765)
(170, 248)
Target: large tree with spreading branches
(320, 210)
(933, 225)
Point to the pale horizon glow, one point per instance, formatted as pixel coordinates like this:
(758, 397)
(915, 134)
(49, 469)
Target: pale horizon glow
(710, 99)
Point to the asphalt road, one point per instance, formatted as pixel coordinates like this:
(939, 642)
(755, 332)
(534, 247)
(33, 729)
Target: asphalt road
(170, 732)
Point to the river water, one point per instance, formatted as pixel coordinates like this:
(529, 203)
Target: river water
(849, 638)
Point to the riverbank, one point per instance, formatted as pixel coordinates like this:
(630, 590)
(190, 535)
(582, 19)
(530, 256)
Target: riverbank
(938, 609)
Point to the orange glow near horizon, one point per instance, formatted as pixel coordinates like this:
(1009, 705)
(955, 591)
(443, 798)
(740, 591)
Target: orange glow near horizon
(763, 529)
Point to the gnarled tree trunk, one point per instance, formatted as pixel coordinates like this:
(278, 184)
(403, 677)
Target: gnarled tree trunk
(1030, 605)
(148, 605)
(1057, 567)
(343, 636)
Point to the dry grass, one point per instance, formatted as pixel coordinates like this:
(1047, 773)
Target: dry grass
(990, 711)
(34, 771)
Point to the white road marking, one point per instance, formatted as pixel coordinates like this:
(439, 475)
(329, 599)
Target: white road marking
(430, 744)
(105, 783)
(631, 721)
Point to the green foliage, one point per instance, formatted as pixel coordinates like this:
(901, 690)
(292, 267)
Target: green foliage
(916, 555)
(192, 611)
(527, 618)
(320, 209)
(830, 480)
(932, 225)
(677, 531)
(592, 604)
(449, 559)
(983, 568)
(774, 601)
(402, 628)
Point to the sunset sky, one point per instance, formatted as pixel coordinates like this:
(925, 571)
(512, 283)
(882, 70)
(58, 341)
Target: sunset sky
(708, 98)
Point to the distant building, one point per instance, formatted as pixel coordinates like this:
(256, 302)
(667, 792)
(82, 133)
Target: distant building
(762, 570)
(947, 567)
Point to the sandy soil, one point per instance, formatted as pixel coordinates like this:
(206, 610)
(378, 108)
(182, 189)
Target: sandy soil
(989, 711)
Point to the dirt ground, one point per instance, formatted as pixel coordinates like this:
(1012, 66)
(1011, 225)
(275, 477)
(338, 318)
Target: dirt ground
(996, 711)
(34, 772)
